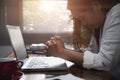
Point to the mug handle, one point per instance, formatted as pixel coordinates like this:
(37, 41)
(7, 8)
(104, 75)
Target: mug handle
(20, 64)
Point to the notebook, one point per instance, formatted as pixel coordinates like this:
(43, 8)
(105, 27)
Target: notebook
(32, 63)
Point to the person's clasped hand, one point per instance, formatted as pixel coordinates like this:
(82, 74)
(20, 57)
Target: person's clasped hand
(54, 47)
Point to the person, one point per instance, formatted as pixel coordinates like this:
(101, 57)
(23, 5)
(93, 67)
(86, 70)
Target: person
(102, 18)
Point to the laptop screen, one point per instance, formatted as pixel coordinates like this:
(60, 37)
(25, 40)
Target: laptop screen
(17, 41)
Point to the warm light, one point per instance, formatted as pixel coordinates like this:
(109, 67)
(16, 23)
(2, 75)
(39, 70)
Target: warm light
(39, 15)
(46, 6)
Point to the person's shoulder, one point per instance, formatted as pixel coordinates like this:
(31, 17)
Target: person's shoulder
(115, 10)
(113, 14)
(112, 17)
(116, 7)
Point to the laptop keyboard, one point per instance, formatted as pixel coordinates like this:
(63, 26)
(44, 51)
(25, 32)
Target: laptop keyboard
(37, 63)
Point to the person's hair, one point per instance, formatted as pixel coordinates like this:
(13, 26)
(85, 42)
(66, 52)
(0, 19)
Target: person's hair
(77, 29)
(81, 35)
(106, 4)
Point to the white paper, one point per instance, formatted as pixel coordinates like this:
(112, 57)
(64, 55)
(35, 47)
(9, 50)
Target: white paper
(33, 77)
(66, 77)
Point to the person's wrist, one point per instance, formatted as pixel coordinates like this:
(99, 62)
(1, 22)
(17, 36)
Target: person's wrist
(63, 53)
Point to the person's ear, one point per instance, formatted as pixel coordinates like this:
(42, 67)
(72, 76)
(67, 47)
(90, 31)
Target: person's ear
(96, 5)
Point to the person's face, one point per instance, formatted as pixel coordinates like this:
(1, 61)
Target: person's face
(89, 14)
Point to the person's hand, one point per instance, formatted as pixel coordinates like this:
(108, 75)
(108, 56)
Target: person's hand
(55, 46)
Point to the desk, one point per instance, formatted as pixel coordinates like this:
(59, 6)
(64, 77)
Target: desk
(73, 69)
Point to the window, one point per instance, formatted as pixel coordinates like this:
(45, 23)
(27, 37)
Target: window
(46, 16)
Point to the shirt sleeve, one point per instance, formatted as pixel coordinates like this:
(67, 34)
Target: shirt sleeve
(109, 45)
(90, 61)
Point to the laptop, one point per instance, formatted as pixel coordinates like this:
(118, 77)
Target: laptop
(32, 63)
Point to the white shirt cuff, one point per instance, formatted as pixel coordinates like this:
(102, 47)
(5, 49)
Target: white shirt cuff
(88, 60)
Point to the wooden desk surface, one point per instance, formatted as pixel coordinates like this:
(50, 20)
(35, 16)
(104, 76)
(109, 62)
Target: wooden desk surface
(73, 69)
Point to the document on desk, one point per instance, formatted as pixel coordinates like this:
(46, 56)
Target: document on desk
(33, 77)
(66, 77)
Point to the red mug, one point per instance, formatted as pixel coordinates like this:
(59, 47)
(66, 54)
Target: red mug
(8, 66)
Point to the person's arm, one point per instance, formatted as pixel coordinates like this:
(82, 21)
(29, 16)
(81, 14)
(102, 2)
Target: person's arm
(55, 47)
(73, 56)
